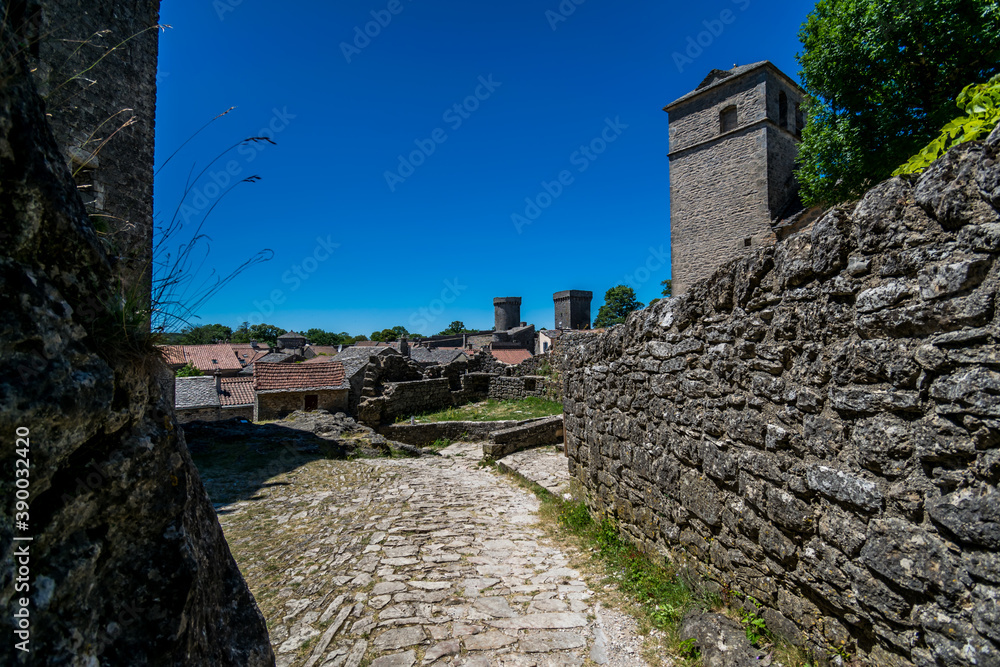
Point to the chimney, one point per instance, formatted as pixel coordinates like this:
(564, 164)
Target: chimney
(404, 347)
(218, 382)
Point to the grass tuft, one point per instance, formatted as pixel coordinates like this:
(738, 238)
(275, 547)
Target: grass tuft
(493, 410)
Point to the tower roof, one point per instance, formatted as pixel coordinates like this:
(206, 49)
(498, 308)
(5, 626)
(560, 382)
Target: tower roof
(717, 77)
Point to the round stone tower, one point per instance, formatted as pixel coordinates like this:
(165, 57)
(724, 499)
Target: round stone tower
(508, 312)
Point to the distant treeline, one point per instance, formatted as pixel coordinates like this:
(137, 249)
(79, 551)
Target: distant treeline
(268, 333)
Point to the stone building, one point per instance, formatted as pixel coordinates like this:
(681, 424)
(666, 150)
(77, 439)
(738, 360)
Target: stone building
(281, 389)
(213, 397)
(733, 144)
(196, 398)
(292, 343)
(236, 398)
(101, 110)
(572, 309)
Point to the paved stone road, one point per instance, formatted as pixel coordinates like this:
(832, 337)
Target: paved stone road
(431, 561)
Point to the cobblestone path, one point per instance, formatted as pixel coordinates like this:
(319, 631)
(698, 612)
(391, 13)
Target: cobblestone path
(401, 562)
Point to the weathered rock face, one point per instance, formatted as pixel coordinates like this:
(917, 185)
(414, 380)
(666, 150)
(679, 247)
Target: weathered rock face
(818, 425)
(128, 564)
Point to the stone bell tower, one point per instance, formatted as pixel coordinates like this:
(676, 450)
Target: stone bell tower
(733, 144)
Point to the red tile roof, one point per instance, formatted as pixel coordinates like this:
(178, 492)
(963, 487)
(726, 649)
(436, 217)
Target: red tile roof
(511, 357)
(236, 391)
(210, 358)
(247, 354)
(298, 377)
(173, 354)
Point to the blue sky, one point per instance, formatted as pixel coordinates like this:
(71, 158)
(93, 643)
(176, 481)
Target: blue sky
(431, 155)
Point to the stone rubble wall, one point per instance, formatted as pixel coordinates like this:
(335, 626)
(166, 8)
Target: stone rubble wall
(213, 414)
(504, 388)
(425, 434)
(198, 415)
(280, 404)
(533, 433)
(532, 365)
(487, 363)
(474, 387)
(239, 412)
(402, 399)
(817, 425)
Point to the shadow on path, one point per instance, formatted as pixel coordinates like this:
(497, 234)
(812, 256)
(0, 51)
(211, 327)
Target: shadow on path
(236, 458)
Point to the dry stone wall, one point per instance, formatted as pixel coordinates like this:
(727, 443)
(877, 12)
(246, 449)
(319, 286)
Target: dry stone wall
(516, 388)
(425, 434)
(403, 399)
(524, 435)
(280, 404)
(818, 424)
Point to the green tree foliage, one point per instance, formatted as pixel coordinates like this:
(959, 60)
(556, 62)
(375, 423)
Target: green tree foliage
(261, 333)
(456, 327)
(321, 337)
(881, 76)
(619, 301)
(668, 288)
(205, 334)
(187, 371)
(390, 335)
(241, 334)
(981, 104)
